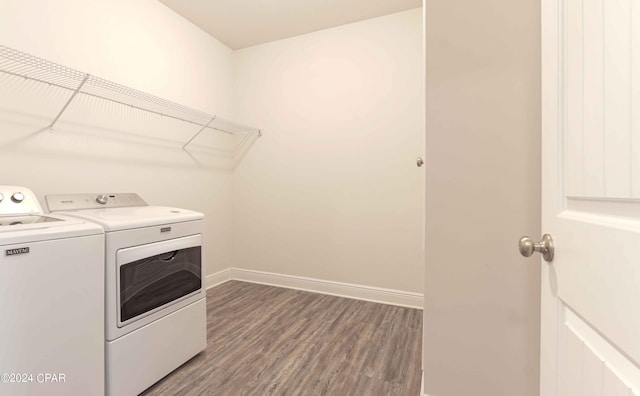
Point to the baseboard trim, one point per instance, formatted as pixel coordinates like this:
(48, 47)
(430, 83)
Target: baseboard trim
(218, 278)
(340, 289)
(422, 393)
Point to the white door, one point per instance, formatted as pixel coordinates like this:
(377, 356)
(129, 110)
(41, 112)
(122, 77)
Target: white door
(590, 337)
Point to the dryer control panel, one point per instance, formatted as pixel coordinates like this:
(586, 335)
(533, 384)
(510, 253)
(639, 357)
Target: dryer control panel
(18, 200)
(57, 202)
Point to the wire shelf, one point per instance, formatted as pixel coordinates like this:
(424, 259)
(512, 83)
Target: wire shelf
(20, 64)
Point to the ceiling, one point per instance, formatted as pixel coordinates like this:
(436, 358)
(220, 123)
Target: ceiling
(243, 23)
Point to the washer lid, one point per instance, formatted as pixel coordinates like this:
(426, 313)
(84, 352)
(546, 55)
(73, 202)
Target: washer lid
(115, 219)
(9, 221)
(34, 228)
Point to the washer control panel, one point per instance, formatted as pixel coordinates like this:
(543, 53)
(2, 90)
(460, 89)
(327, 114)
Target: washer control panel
(17, 197)
(56, 202)
(18, 200)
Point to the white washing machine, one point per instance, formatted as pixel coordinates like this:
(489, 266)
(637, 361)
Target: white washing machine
(52, 304)
(154, 292)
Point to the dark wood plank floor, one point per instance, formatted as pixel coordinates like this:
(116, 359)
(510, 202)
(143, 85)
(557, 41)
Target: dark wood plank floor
(265, 340)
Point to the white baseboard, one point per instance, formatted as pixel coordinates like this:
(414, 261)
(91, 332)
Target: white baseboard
(422, 386)
(422, 392)
(218, 278)
(348, 290)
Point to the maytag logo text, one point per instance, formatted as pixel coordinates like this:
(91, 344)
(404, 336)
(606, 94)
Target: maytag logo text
(13, 252)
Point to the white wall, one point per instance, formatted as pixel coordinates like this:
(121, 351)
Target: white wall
(482, 310)
(100, 147)
(331, 191)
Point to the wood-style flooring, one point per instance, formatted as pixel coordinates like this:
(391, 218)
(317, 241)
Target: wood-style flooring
(265, 340)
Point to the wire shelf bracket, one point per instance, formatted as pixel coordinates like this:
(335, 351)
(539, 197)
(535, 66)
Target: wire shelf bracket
(73, 95)
(184, 147)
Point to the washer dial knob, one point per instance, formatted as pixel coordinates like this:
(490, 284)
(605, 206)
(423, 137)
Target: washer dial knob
(102, 199)
(17, 197)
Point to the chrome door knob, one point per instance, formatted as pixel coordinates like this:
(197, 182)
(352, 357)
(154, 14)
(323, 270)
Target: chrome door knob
(527, 247)
(419, 162)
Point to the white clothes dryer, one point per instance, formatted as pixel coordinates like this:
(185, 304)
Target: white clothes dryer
(155, 296)
(52, 305)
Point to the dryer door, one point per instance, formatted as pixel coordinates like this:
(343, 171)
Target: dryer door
(154, 276)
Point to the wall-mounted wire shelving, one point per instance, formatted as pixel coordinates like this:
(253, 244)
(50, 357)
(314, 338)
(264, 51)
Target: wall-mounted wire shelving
(23, 65)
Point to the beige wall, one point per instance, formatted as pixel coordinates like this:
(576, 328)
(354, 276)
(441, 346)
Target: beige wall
(100, 147)
(481, 317)
(331, 191)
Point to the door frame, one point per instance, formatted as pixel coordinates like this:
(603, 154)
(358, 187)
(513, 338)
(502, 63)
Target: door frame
(551, 142)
